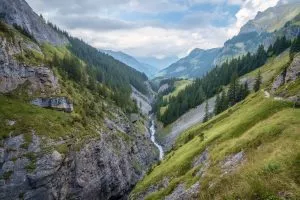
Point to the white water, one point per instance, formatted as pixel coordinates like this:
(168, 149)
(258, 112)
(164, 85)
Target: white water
(153, 131)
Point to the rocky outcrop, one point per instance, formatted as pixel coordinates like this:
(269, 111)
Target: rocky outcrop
(56, 103)
(189, 119)
(289, 74)
(143, 102)
(19, 12)
(13, 74)
(163, 88)
(231, 163)
(181, 192)
(293, 72)
(104, 168)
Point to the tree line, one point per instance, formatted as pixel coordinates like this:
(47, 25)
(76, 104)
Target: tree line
(100, 69)
(214, 81)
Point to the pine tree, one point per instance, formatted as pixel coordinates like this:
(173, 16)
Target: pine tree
(224, 101)
(233, 90)
(295, 47)
(206, 117)
(261, 56)
(258, 81)
(246, 91)
(217, 108)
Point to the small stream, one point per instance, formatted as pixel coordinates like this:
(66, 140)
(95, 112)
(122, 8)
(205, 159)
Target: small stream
(153, 131)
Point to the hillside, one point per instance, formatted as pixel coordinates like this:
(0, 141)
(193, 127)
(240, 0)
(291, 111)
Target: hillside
(250, 151)
(168, 135)
(66, 130)
(81, 123)
(196, 64)
(149, 70)
(264, 29)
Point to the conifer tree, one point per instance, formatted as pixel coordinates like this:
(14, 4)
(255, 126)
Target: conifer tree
(218, 105)
(206, 117)
(246, 91)
(295, 47)
(224, 101)
(258, 81)
(233, 90)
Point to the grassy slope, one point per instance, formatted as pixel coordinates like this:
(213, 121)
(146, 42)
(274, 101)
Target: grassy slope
(179, 86)
(266, 130)
(75, 128)
(272, 68)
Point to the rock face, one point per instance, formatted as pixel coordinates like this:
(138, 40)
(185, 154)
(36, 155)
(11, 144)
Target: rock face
(143, 102)
(288, 75)
(13, 74)
(56, 103)
(105, 168)
(293, 72)
(186, 121)
(163, 88)
(19, 12)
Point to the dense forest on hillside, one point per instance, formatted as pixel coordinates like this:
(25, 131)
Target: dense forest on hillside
(100, 68)
(213, 82)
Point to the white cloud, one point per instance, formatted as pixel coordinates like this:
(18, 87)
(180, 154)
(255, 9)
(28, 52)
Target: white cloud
(104, 28)
(248, 11)
(158, 42)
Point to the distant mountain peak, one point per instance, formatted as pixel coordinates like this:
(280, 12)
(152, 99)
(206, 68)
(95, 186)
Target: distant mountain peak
(272, 19)
(129, 60)
(260, 30)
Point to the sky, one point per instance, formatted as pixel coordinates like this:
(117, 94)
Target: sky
(151, 28)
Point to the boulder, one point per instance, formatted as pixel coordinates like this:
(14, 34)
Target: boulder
(134, 117)
(56, 103)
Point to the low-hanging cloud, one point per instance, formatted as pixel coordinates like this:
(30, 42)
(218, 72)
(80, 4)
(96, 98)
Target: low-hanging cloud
(149, 28)
(95, 23)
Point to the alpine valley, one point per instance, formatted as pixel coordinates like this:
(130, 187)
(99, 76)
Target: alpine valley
(79, 122)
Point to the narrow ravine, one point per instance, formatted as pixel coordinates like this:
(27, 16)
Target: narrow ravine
(153, 131)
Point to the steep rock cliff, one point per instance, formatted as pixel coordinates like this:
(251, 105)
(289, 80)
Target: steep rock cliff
(19, 12)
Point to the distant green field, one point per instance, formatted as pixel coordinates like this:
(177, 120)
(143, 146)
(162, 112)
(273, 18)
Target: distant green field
(179, 86)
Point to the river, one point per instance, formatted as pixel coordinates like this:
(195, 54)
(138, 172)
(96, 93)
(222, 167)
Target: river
(153, 131)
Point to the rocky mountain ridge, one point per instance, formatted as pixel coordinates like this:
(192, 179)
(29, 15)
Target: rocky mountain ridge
(18, 12)
(264, 29)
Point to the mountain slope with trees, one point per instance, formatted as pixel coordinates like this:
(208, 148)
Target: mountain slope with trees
(149, 70)
(250, 151)
(65, 117)
(264, 29)
(212, 83)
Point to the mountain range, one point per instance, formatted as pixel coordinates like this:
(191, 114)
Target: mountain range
(77, 122)
(149, 70)
(263, 29)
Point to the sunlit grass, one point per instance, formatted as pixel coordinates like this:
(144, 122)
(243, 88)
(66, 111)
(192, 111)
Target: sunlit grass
(266, 130)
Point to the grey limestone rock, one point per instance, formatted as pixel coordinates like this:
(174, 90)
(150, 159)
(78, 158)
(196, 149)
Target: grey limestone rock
(57, 103)
(13, 74)
(19, 12)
